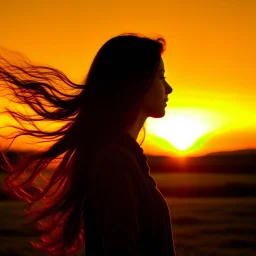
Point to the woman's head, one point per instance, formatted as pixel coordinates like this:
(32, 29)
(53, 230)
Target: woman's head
(125, 78)
(154, 102)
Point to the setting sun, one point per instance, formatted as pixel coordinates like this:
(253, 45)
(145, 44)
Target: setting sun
(184, 133)
(181, 130)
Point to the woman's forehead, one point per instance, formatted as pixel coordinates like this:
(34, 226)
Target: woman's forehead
(161, 66)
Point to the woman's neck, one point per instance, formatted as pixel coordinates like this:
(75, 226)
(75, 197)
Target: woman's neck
(135, 129)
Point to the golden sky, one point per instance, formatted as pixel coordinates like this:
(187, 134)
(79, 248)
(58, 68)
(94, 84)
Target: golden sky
(210, 60)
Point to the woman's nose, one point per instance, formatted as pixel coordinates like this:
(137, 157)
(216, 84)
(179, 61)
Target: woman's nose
(168, 88)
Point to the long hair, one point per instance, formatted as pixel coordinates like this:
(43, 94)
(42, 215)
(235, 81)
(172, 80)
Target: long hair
(103, 106)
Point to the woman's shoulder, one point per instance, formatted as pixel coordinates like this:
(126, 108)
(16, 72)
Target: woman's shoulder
(112, 165)
(115, 154)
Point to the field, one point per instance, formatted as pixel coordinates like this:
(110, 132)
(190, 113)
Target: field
(201, 226)
(214, 226)
(202, 180)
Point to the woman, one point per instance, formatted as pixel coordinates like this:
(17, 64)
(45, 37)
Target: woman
(101, 193)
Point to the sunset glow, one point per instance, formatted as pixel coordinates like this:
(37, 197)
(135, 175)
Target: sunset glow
(209, 61)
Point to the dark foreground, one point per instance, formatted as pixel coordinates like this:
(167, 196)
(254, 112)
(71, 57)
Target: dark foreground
(201, 226)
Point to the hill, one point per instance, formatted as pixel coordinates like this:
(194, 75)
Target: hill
(239, 161)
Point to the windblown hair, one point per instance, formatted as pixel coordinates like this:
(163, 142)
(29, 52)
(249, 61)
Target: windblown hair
(103, 106)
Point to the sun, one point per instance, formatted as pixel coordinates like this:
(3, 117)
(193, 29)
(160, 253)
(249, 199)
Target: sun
(182, 131)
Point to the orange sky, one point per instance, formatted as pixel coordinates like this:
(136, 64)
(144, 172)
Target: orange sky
(209, 61)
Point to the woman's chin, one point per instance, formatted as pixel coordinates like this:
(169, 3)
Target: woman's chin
(158, 114)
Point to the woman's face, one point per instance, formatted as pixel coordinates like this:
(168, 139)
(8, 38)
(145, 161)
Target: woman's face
(154, 102)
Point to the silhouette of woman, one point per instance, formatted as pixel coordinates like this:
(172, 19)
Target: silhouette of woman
(101, 194)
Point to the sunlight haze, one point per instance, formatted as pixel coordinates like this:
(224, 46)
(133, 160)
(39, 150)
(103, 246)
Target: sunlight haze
(209, 61)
